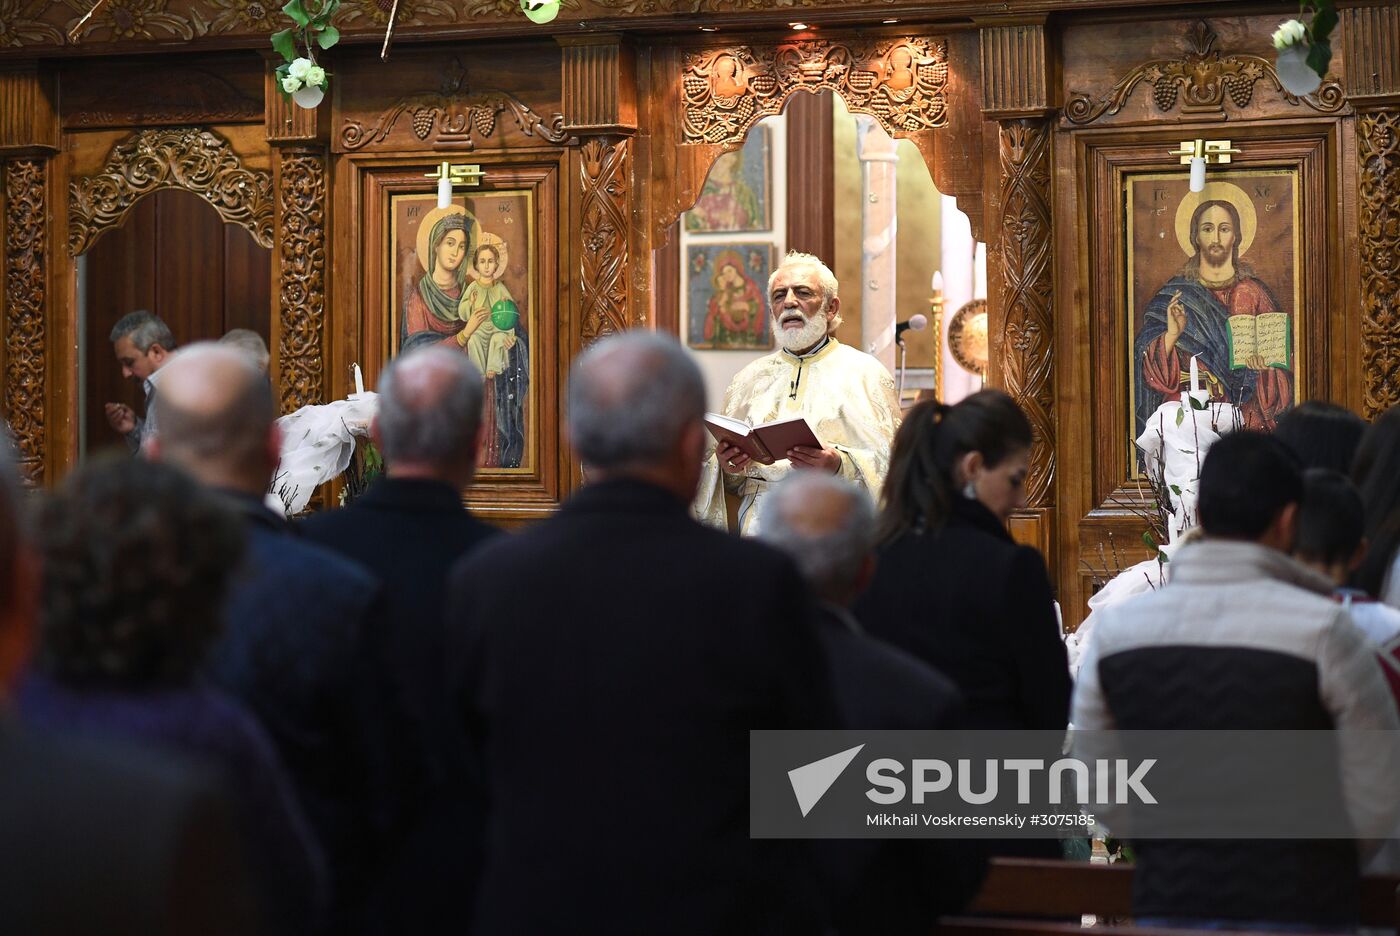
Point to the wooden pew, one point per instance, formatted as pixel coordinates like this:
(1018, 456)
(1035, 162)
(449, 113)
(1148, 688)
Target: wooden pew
(1042, 894)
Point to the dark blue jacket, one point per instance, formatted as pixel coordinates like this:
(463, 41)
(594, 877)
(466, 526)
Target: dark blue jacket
(409, 532)
(612, 661)
(304, 629)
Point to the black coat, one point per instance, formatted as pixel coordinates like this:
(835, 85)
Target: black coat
(409, 533)
(971, 603)
(302, 636)
(612, 661)
(115, 840)
(893, 886)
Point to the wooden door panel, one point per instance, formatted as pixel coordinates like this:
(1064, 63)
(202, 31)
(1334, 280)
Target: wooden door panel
(177, 258)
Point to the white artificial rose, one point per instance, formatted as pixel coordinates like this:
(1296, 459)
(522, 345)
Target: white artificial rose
(291, 85)
(316, 76)
(300, 68)
(1290, 33)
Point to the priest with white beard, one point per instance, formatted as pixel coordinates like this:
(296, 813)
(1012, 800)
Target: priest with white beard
(846, 396)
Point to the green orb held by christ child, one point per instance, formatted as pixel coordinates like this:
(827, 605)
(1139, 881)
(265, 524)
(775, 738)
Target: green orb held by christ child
(505, 315)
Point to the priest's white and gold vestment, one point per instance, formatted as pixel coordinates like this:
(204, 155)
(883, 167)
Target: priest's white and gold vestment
(846, 396)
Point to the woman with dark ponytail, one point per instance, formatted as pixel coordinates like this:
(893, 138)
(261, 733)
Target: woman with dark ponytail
(951, 586)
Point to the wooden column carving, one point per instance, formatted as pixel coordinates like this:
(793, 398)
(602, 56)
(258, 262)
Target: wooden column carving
(1379, 203)
(1370, 35)
(298, 137)
(26, 276)
(1026, 349)
(29, 137)
(301, 260)
(604, 171)
(1016, 91)
(600, 108)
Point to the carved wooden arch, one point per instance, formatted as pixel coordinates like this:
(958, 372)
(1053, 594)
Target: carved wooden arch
(192, 159)
(902, 82)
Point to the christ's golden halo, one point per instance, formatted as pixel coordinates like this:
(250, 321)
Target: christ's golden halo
(1216, 191)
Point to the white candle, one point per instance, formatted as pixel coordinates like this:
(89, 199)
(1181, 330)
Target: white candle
(360, 378)
(1195, 377)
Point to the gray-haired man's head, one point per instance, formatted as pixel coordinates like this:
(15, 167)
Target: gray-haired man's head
(251, 344)
(635, 403)
(429, 415)
(215, 418)
(827, 526)
(142, 344)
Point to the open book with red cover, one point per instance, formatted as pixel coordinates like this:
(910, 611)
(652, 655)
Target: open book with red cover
(766, 443)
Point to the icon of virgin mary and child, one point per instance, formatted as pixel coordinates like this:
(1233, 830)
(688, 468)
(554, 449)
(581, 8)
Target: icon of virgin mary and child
(460, 302)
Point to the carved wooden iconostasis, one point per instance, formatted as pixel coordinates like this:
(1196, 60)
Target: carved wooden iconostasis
(596, 132)
(1122, 232)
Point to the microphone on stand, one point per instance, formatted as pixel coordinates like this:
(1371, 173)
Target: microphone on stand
(916, 322)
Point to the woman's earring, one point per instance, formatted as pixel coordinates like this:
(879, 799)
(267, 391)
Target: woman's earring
(969, 491)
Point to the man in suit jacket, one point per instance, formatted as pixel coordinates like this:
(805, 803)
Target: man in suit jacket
(303, 623)
(97, 838)
(827, 525)
(611, 662)
(409, 529)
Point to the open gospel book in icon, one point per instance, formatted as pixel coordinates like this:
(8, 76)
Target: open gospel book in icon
(766, 443)
(1266, 335)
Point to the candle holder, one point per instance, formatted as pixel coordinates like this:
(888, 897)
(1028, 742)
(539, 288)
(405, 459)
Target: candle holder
(450, 175)
(1199, 153)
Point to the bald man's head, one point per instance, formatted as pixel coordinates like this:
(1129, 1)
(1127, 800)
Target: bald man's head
(630, 399)
(827, 526)
(430, 413)
(215, 417)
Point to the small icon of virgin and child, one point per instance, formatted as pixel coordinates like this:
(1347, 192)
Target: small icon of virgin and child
(461, 302)
(1218, 311)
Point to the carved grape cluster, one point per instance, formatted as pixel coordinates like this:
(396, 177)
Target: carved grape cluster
(1240, 90)
(1164, 93)
(484, 119)
(423, 120)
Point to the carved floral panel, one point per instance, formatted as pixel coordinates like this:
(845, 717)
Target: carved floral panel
(900, 82)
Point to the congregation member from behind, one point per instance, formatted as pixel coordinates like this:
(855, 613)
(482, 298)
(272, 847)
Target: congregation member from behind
(1332, 541)
(142, 344)
(101, 838)
(846, 396)
(302, 622)
(951, 586)
(610, 663)
(1244, 637)
(1376, 472)
(827, 526)
(409, 529)
(1321, 435)
(251, 344)
(137, 561)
